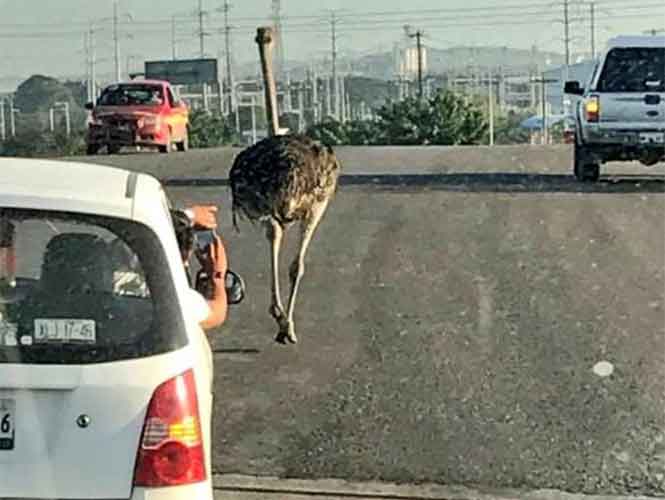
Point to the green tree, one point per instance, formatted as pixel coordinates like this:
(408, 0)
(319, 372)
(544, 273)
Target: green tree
(445, 119)
(39, 93)
(330, 131)
(507, 128)
(404, 122)
(208, 130)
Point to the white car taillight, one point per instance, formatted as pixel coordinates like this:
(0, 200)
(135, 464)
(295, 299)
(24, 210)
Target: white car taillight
(171, 450)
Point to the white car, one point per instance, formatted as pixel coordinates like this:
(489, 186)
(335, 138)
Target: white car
(620, 114)
(105, 390)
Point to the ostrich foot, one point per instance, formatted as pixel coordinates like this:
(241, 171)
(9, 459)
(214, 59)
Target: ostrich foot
(287, 332)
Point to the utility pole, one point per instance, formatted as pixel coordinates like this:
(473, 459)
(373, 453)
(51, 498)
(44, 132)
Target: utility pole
(227, 49)
(418, 36)
(288, 101)
(3, 125)
(201, 14)
(491, 104)
(253, 119)
(342, 98)
(315, 95)
(93, 64)
(116, 41)
(301, 108)
(202, 35)
(592, 17)
(68, 121)
(333, 27)
(279, 39)
(86, 65)
(543, 103)
(12, 116)
(329, 110)
(174, 42)
(566, 24)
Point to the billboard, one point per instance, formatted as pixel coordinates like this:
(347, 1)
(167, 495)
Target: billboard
(183, 71)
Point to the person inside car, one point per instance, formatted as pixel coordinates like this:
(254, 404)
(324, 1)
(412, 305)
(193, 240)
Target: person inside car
(210, 312)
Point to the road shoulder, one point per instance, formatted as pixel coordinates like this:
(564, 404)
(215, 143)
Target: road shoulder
(239, 487)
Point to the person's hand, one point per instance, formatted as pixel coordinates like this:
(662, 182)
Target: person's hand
(215, 262)
(204, 216)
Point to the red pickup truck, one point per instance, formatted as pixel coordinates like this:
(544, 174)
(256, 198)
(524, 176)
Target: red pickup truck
(143, 113)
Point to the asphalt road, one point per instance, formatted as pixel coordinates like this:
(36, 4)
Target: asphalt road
(449, 332)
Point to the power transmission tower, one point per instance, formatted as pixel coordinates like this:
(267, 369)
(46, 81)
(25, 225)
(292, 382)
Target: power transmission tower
(418, 36)
(279, 39)
(333, 34)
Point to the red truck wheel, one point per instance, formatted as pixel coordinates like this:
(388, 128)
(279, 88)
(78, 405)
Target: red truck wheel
(166, 148)
(184, 144)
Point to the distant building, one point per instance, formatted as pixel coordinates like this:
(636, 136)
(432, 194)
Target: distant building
(405, 59)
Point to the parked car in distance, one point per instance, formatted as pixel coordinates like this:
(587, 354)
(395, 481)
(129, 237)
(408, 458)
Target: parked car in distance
(621, 113)
(143, 113)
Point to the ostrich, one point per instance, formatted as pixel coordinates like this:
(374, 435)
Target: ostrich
(282, 180)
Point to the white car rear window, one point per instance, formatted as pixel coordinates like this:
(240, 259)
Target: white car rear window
(78, 289)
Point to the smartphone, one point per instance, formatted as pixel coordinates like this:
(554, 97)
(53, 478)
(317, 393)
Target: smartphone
(203, 240)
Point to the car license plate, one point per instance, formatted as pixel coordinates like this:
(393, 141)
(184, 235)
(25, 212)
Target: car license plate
(65, 330)
(652, 138)
(7, 419)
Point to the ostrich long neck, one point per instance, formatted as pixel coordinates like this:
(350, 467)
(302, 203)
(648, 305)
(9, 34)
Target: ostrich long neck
(265, 40)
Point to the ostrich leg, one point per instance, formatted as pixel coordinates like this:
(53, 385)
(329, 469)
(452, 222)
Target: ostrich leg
(275, 233)
(297, 269)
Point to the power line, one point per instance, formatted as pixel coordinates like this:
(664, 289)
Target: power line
(484, 11)
(357, 17)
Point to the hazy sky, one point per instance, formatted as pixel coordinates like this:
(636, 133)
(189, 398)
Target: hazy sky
(47, 36)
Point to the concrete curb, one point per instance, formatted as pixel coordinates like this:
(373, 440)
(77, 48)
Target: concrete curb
(265, 487)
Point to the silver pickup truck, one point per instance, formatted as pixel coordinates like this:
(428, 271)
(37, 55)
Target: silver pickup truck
(620, 115)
